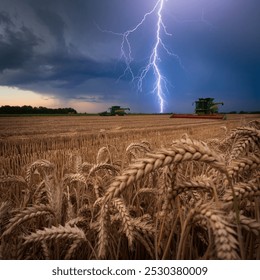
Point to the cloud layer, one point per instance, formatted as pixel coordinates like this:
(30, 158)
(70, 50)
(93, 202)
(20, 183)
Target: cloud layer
(58, 50)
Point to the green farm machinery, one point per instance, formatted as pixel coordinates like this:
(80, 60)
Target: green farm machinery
(115, 111)
(205, 108)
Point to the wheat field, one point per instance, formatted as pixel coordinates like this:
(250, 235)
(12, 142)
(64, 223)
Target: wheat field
(132, 187)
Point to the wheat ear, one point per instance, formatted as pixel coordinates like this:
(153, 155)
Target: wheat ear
(237, 167)
(240, 147)
(243, 190)
(183, 150)
(25, 215)
(225, 238)
(103, 155)
(103, 222)
(72, 178)
(193, 184)
(103, 166)
(249, 224)
(254, 124)
(125, 219)
(13, 179)
(138, 146)
(41, 165)
(59, 232)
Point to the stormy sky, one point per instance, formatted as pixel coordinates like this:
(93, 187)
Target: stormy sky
(63, 53)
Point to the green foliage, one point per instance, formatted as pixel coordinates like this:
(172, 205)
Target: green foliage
(35, 110)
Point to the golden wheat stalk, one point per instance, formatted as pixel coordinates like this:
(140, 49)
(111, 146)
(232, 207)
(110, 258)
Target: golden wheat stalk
(126, 219)
(45, 250)
(184, 150)
(135, 150)
(249, 224)
(103, 166)
(57, 233)
(144, 226)
(85, 167)
(243, 190)
(42, 194)
(102, 229)
(225, 144)
(248, 134)
(72, 249)
(254, 124)
(41, 165)
(138, 146)
(146, 242)
(75, 221)
(242, 146)
(13, 179)
(225, 238)
(233, 141)
(5, 208)
(239, 166)
(144, 191)
(103, 155)
(77, 164)
(193, 185)
(69, 179)
(246, 131)
(25, 215)
(166, 187)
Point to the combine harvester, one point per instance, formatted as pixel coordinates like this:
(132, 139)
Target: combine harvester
(205, 108)
(115, 111)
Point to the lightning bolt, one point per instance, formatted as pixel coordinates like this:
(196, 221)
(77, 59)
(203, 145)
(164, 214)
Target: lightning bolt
(160, 85)
(161, 81)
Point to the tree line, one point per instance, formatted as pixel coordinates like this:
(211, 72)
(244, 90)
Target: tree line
(35, 110)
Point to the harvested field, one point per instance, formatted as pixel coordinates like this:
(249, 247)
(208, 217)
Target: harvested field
(132, 187)
(61, 126)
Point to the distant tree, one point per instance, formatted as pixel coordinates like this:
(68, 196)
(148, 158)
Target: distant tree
(34, 110)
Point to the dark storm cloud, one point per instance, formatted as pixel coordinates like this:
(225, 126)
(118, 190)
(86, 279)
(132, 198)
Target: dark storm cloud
(5, 19)
(54, 22)
(16, 48)
(57, 49)
(63, 70)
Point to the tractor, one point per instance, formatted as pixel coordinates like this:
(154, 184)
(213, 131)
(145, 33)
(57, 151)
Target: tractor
(115, 111)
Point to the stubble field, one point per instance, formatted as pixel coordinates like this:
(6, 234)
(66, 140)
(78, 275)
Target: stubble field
(132, 187)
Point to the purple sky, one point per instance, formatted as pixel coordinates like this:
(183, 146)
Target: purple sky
(53, 53)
